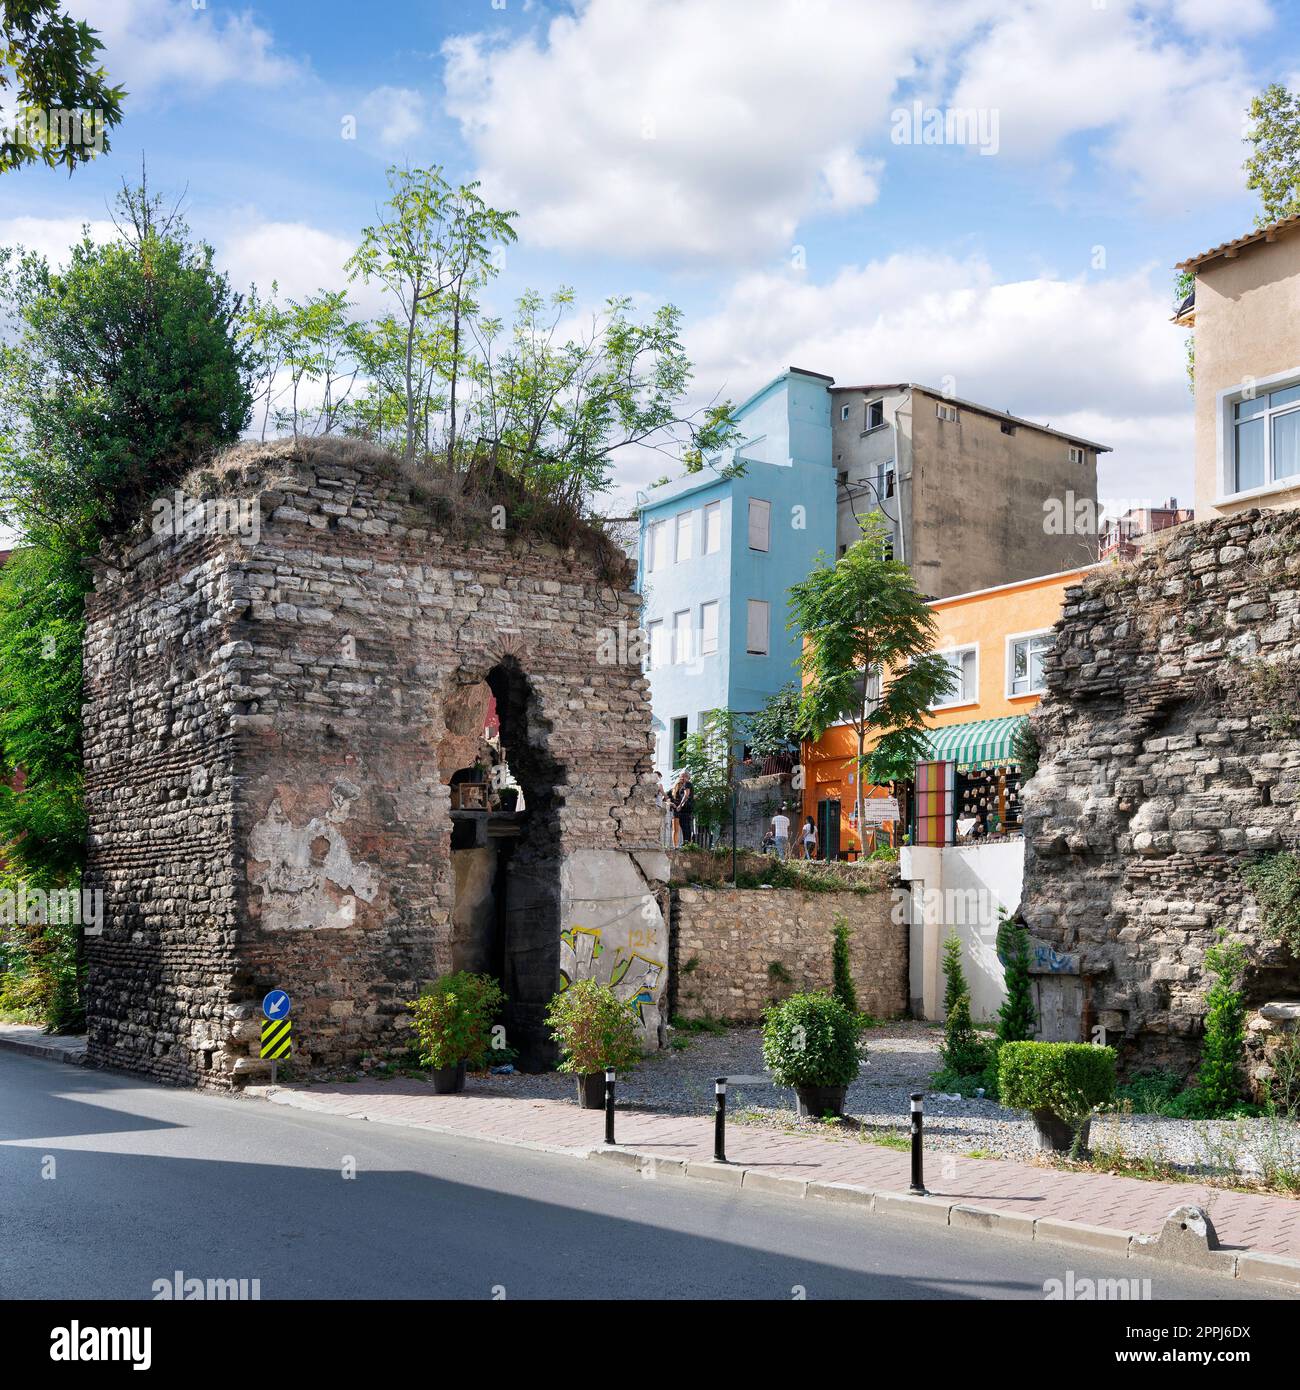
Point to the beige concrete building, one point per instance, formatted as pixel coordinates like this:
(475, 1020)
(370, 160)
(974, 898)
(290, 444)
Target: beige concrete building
(976, 497)
(1245, 309)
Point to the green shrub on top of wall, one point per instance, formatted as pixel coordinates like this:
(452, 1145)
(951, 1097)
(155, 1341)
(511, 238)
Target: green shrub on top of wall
(1067, 1079)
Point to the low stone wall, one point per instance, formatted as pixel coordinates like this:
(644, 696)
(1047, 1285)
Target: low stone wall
(734, 950)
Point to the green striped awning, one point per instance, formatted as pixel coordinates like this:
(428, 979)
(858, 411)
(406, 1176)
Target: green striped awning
(981, 743)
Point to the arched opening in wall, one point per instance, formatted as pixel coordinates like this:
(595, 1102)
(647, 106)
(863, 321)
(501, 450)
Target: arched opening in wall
(505, 852)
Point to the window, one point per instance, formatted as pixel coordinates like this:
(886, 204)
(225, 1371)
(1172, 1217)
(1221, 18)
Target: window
(1076, 454)
(865, 688)
(655, 644)
(1025, 662)
(682, 637)
(677, 736)
(760, 524)
(1008, 428)
(713, 528)
(844, 412)
(875, 416)
(885, 479)
(708, 628)
(964, 665)
(684, 537)
(756, 628)
(656, 546)
(1265, 439)
(887, 547)
(947, 412)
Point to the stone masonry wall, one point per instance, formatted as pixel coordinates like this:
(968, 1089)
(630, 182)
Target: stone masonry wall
(271, 723)
(1170, 739)
(725, 941)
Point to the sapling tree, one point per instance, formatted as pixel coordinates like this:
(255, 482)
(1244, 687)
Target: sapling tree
(868, 658)
(1017, 1017)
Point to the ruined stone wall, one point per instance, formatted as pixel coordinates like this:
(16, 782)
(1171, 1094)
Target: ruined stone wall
(727, 940)
(1170, 755)
(272, 721)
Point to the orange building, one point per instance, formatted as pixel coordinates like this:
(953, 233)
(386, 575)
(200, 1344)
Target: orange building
(995, 640)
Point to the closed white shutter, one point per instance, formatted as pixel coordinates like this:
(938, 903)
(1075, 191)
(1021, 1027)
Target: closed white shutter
(756, 628)
(684, 536)
(708, 628)
(713, 528)
(760, 524)
(682, 637)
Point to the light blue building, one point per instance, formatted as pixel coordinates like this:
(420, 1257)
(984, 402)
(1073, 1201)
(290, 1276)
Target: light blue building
(718, 556)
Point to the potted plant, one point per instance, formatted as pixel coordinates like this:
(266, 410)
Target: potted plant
(1060, 1084)
(810, 1042)
(595, 1030)
(453, 1025)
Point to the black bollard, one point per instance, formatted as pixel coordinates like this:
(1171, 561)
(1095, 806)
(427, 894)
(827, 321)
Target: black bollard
(720, 1120)
(918, 1159)
(609, 1105)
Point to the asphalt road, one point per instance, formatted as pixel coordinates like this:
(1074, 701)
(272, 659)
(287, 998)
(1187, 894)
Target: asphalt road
(110, 1183)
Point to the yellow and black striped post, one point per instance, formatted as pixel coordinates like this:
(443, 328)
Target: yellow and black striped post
(277, 1041)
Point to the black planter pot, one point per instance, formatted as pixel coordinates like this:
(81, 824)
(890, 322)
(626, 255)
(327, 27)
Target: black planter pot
(591, 1090)
(1056, 1135)
(448, 1080)
(816, 1101)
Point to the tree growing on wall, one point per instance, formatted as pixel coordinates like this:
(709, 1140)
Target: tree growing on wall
(868, 658)
(50, 81)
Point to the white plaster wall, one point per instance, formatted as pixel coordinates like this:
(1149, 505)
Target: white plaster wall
(960, 888)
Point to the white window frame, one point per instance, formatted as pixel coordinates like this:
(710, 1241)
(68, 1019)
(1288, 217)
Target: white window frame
(844, 412)
(959, 701)
(712, 528)
(654, 645)
(766, 547)
(705, 648)
(767, 626)
(948, 413)
(653, 531)
(1077, 455)
(1012, 639)
(867, 426)
(683, 526)
(1226, 436)
(682, 649)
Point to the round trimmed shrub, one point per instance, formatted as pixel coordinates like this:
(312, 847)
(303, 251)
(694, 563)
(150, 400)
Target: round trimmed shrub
(811, 1040)
(1068, 1080)
(594, 1028)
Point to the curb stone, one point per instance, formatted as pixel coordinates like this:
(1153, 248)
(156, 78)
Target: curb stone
(50, 1052)
(1251, 1265)
(936, 1211)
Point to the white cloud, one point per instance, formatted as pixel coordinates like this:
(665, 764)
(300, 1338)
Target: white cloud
(300, 257)
(670, 127)
(53, 237)
(1165, 108)
(169, 46)
(392, 115)
(1091, 354)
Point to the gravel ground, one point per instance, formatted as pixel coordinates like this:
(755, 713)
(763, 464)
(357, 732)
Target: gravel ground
(900, 1058)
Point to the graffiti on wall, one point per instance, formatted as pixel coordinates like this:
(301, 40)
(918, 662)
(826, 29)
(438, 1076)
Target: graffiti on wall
(629, 971)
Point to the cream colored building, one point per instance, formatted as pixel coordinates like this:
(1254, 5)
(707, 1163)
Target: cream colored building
(1246, 315)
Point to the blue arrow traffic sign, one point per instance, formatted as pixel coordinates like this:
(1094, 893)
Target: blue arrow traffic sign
(276, 1004)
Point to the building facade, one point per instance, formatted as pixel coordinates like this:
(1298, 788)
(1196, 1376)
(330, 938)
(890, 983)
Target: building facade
(1122, 537)
(1245, 309)
(996, 641)
(976, 497)
(719, 551)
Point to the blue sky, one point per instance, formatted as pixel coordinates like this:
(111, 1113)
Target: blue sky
(737, 158)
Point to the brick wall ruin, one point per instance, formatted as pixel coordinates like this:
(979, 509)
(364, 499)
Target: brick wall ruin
(275, 711)
(1170, 755)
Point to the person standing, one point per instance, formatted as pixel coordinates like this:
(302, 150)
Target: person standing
(684, 806)
(665, 813)
(809, 837)
(781, 833)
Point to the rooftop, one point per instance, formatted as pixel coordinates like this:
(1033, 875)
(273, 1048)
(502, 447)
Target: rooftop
(1229, 250)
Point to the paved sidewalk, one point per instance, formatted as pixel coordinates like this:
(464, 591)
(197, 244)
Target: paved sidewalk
(32, 1039)
(1268, 1225)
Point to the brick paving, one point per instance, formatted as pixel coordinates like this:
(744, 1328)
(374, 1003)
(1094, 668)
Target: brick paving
(1270, 1225)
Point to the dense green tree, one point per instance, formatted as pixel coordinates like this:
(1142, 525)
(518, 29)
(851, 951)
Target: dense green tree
(775, 728)
(868, 657)
(1273, 165)
(50, 79)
